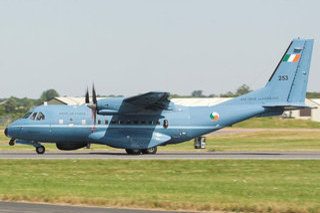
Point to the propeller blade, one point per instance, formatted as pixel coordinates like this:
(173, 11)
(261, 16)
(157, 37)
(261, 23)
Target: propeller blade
(92, 120)
(87, 96)
(92, 106)
(94, 97)
(94, 117)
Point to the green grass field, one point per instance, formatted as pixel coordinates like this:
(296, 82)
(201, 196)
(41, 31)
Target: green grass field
(277, 123)
(205, 185)
(227, 185)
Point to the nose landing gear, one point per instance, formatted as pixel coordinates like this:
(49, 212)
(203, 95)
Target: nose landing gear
(40, 149)
(12, 142)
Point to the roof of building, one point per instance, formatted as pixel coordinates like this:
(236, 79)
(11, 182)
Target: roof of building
(315, 101)
(68, 100)
(3, 102)
(199, 101)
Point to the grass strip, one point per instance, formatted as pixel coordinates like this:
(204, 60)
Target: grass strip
(278, 123)
(227, 185)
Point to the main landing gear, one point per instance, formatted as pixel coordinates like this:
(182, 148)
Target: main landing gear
(152, 150)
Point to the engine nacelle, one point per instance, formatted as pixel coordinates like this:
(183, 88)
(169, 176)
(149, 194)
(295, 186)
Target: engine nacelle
(68, 146)
(113, 106)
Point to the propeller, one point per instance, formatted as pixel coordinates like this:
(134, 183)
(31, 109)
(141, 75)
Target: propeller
(94, 100)
(87, 96)
(92, 105)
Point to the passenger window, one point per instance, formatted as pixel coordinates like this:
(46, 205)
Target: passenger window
(121, 122)
(151, 122)
(27, 115)
(165, 124)
(128, 122)
(40, 116)
(135, 122)
(105, 122)
(158, 122)
(33, 116)
(143, 122)
(99, 121)
(113, 121)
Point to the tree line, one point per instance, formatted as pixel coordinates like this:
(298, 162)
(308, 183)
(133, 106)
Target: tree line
(18, 106)
(243, 89)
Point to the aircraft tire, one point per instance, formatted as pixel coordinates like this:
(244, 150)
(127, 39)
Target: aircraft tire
(149, 151)
(11, 142)
(133, 151)
(40, 150)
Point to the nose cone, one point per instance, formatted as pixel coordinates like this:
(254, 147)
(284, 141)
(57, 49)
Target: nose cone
(6, 132)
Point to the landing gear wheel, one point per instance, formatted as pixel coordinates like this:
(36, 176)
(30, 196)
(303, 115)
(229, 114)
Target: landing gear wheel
(152, 151)
(11, 142)
(133, 151)
(40, 150)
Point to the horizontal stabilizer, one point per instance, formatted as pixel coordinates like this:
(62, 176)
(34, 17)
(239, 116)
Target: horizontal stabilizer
(289, 106)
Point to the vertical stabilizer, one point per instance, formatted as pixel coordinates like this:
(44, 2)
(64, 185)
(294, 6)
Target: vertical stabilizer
(290, 78)
(288, 83)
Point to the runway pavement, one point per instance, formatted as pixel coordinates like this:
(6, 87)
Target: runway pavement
(163, 155)
(6, 207)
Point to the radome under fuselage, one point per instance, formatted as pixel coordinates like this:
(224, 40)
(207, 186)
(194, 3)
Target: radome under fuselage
(63, 124)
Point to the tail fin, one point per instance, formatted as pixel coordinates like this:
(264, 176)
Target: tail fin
(290, 78)
(288, 83)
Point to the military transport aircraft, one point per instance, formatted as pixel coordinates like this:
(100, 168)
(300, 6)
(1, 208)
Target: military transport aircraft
(140, 123)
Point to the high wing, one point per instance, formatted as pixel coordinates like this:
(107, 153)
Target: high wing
(288, 106)
(150, 100)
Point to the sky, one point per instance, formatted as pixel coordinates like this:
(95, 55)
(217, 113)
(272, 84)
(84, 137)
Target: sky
(131, 47)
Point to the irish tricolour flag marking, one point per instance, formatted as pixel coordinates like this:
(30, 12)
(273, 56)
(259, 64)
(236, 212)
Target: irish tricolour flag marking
(291, 57)
(214, 116)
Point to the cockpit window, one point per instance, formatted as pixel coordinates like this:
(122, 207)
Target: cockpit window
(27, 115)
(40, 116)
(33, 116)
